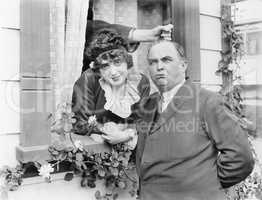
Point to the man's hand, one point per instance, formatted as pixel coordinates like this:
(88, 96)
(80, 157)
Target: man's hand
(148, 35)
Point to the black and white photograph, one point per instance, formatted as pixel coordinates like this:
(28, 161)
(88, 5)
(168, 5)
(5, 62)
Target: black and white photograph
(131, 99)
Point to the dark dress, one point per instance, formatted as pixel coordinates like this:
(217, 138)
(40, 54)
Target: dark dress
(89, 99)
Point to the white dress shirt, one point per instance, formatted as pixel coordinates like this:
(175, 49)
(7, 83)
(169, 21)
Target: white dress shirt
(168, 96)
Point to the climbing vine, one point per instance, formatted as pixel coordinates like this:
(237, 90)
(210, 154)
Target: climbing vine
(229, 66)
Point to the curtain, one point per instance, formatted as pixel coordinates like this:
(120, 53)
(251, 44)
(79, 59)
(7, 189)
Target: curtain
(67, 39)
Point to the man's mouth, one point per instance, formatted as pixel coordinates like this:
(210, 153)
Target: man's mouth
(160, 76)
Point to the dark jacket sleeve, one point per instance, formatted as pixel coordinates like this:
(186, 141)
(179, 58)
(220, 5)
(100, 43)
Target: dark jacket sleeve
(83, 101)
(144, 87)
(235, 161)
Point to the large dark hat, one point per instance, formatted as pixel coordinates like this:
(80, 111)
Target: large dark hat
(105, 40)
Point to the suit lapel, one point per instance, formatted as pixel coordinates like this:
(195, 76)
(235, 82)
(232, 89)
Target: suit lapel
(148, 115)
(183, 95)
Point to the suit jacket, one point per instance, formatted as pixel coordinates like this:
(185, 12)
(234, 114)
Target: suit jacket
(193, 149)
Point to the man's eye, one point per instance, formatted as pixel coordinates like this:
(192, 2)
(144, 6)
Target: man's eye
(166, 60)
(152, 62)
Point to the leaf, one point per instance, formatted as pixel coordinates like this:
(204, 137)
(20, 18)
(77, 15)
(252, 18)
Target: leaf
(69, 176)
(113, 171)
(62, 156)
(132, 193)
(98, 160)
(79, 157)
(91, 183)
(115, 196)
(115, 164)
(13, 188)
(98, 195)
(101, 172)
(84, 182)
(122, 185)
(54, 153)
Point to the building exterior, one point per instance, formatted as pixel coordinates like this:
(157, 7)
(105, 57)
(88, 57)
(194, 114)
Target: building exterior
(248, 20)
(25, 48)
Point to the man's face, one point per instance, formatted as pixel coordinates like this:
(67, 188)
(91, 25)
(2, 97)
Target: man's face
(165, 66)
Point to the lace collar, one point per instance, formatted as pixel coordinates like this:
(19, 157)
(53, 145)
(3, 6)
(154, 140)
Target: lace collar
(119, 101)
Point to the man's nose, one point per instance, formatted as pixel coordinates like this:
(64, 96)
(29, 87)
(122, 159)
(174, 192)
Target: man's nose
(160, 66)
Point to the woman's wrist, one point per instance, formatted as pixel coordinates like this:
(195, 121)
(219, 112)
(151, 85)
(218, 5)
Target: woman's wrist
(132, 141)
(131, 133)
(141, 35)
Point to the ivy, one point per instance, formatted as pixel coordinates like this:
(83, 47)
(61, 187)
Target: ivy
(233, 44)
(229, 66)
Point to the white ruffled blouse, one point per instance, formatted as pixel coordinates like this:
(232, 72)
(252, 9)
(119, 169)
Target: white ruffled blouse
(119, 101)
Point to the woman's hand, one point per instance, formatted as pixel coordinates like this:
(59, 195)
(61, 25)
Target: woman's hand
(116, 133)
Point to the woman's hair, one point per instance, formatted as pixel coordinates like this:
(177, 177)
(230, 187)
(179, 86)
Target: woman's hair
(107, 41)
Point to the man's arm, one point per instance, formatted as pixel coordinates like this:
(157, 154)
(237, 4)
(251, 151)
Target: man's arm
(235, 161)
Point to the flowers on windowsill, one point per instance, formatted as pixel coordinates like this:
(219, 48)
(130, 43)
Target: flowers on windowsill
(45, 171)
(10, 180)
(113, 167)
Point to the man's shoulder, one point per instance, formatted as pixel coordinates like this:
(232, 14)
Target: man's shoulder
(208, 97)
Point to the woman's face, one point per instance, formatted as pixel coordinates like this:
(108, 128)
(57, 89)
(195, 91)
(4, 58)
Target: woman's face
(113, 67)
(115, 73)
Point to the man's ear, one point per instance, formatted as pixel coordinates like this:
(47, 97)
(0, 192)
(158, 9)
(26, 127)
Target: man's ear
(184, 65)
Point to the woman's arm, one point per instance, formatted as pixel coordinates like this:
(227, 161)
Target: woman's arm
(83, 101)
(134, 36)
(145, 35)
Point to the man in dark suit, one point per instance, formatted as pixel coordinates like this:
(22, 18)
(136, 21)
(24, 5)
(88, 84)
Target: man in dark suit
(190, 144)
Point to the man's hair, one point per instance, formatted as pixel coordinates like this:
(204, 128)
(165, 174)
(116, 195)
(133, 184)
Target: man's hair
(179, 48)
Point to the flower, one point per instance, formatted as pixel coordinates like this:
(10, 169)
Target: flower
(78, 144)
(232, 66)
(91, 65)
(45, 171)
(92, 120)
